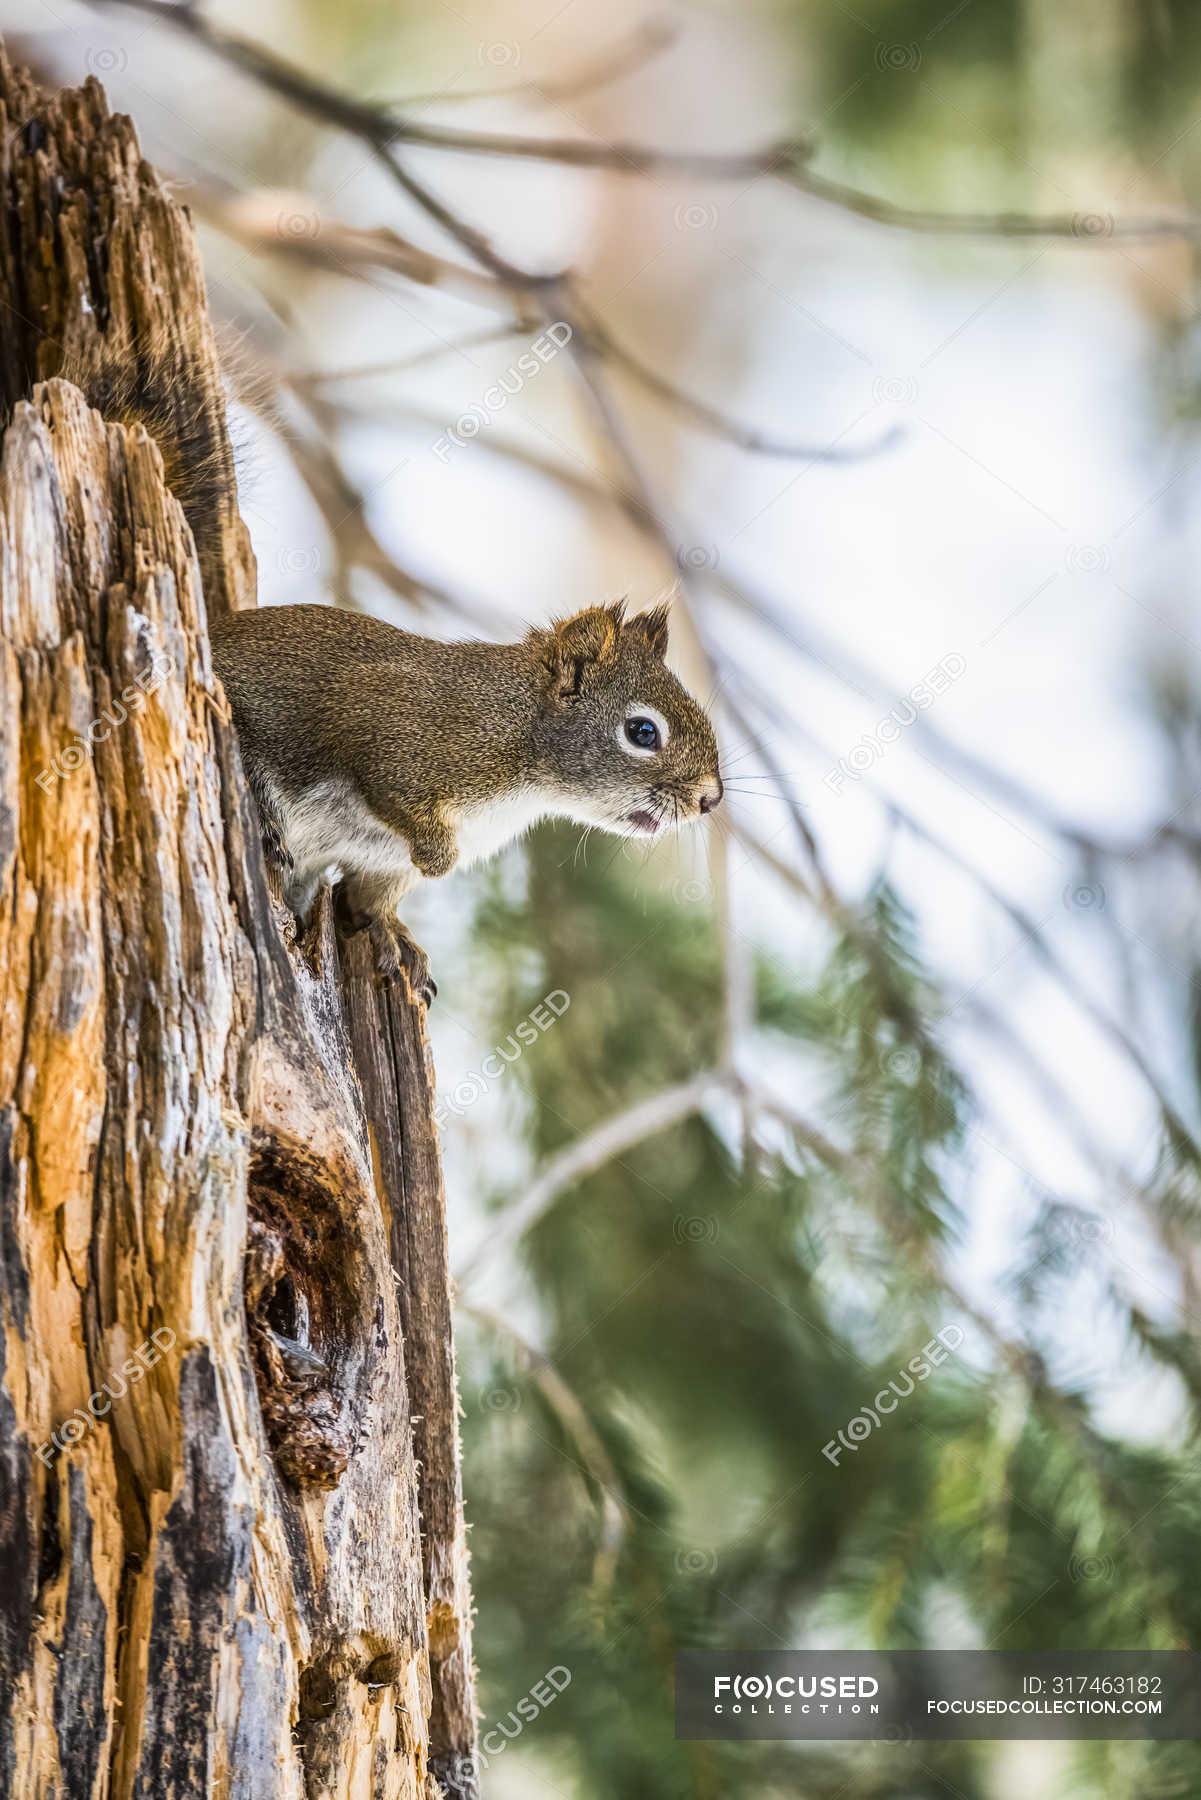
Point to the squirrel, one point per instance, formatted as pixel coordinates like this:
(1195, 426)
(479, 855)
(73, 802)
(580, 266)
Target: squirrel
(378, 757)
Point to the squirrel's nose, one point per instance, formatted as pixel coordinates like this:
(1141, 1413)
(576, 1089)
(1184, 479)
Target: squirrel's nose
(712, 796)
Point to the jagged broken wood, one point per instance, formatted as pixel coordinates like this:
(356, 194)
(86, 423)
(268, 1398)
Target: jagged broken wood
(223, 1284)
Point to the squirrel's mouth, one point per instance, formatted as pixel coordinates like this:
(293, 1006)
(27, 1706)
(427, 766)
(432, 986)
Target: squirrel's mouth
(644, 821)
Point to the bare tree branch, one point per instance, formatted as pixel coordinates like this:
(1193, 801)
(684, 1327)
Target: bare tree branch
(645, 1119)
(1083, 227)
(787, 160)
(780, 158)
(383, 127)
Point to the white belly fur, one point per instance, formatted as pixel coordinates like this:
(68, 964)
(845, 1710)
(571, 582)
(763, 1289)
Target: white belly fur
(331, 833)
(484, 829)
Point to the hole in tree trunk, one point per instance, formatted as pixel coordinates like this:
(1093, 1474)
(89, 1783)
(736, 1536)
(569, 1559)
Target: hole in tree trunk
(302, 1310)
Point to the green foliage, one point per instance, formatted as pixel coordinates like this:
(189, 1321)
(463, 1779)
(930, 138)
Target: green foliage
(718, 1311)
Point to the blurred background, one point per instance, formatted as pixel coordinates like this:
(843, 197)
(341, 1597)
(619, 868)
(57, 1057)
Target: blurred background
(906, 1044)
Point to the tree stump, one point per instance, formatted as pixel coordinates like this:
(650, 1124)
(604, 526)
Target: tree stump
(231, 1530)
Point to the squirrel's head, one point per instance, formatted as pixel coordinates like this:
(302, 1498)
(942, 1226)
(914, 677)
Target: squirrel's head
(617, 734)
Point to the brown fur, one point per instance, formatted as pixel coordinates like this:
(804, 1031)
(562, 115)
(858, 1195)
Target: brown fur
(340, 716)
(415, 724)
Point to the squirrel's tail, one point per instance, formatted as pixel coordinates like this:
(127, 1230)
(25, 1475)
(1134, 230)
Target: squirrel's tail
(180, 402)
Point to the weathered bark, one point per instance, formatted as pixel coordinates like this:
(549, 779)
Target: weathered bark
(223, 1568)
(393, 1062)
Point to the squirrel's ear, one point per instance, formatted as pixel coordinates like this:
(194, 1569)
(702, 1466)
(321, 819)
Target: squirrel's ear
(652, 626)
(572, 648)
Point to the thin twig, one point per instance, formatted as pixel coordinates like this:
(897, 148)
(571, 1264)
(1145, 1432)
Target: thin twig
(342, 506)
(806, 1133)
(745, 437)
(305, 380)
(763, 852)
(614, 65)
(573, 1416)
(284, 224)
(581, 484)
(810, 642)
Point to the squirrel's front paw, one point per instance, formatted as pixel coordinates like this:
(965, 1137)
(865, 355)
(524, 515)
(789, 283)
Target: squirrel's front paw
(396, 950)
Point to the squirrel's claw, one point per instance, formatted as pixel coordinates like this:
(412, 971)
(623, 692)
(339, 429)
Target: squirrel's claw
(395, 950)
(393, 947)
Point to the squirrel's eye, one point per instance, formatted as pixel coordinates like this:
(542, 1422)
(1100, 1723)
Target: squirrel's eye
(643, 732)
